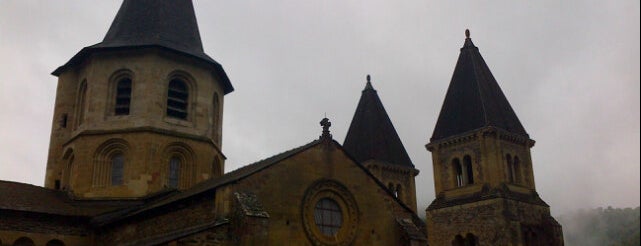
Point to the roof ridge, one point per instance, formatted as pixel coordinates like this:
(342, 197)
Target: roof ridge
(478, 85)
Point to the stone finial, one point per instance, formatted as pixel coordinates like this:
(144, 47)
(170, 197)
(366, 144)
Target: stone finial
(368, 85)
(325, 123)
(467, 33)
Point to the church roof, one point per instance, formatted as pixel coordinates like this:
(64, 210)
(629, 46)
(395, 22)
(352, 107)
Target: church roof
(371, 135)
(474, 99)
(167, 24)
(35, 199)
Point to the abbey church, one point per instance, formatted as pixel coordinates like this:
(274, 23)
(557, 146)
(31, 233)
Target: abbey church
(135, 158)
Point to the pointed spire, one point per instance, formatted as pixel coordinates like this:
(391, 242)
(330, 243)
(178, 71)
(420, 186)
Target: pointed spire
(168, 24)
(474, 99)
(371, 135)
(368, 85)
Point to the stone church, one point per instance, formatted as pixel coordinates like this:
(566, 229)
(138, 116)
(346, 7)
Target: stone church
(135, 158)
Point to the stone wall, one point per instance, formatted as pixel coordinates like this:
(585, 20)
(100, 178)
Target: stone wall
(87, 127)
(42, 228)
(160, 222)
(493, 222)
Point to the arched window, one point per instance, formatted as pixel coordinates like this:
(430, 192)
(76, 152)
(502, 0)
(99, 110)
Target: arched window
(123, 97)
(81, 102)
(469, 172)
(328, 216)
(177, 99)
(399, 191)
(215, 117)
(117, 168)
(66, 174)
(179, 170)
(24, 241)
(173, 177)
(109, 163)
(458, 241)
(517, 170)
(470, 240)
(510, 168)
(458, 172)
(55, 242)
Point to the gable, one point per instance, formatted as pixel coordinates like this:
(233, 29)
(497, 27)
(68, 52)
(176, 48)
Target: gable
(292, 187)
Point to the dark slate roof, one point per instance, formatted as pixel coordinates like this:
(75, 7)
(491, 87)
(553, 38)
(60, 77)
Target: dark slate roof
(371, 135)
(22, 197)
(474, 99)
(168, 24)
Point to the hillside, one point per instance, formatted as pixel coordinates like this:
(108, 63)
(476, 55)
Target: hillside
(609, 226)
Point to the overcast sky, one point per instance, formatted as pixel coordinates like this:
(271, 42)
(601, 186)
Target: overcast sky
(569, 68)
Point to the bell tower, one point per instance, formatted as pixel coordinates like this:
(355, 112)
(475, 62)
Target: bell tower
(372, 140)
(483, 173)
(141, 111)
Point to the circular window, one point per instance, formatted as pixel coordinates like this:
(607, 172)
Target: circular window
(330, 214)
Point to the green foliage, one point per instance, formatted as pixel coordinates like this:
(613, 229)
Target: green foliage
(610, 226)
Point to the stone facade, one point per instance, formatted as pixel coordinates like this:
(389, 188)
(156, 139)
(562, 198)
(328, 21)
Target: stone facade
(146, 136)
(483, 172)
(398, 179)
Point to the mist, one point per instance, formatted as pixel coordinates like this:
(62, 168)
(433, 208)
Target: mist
(570, 70)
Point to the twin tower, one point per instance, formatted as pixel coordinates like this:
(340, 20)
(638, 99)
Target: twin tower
(141, 112)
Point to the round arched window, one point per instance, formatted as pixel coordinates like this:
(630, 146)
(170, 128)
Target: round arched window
(328, 216)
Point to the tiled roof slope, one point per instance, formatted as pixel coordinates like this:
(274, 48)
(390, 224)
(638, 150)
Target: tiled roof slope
(30, 198)
(169, 24)
(371, 135)
(474, 99)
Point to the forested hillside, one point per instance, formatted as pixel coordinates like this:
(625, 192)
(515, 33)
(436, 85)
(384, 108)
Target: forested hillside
(596, 227)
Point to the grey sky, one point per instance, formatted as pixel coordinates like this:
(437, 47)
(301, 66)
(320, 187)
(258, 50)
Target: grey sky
(569, 68)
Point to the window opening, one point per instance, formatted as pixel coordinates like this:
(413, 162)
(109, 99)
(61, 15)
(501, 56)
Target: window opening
(123, 97)
(117, 167)
(174, 172)
(216, 117)
(469, 171)
(24, 241)
(517, 170)
(470, 240)
(63, 121)
(458, 169)
(177, 99)
(510, 170)
(81, 103)
(328, 216)
(458, 241)
(66, 175)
